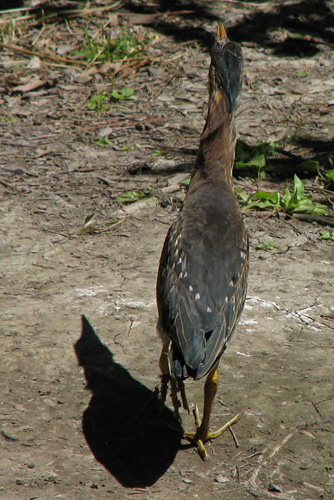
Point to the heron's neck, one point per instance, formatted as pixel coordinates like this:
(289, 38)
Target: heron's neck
(216, 152)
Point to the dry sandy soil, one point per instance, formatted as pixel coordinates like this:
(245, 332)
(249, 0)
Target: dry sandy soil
(80, 417)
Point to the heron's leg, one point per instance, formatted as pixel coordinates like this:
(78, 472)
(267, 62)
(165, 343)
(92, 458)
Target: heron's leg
(175, 399)
(203, 432)
(176, 385)
(182, 390)
(166, 378)
(164, 367)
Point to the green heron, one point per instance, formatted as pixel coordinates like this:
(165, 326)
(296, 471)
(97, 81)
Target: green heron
(202, 278)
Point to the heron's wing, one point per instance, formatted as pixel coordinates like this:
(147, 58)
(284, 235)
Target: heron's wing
(202, 282)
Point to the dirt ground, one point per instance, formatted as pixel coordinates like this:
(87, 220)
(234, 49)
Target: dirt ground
(80, 417)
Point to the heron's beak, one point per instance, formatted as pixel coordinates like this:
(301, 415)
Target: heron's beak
(221, 33)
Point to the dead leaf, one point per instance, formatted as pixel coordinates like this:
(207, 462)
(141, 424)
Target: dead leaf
(109, 67)
(35, 63)
(65, 49)
(32, 84)
(86, 76)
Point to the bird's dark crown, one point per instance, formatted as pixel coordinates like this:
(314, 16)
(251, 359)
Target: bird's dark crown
(226, 69)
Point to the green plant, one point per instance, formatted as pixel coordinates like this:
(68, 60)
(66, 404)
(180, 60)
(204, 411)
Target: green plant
(128, 148)
(295, 202)
(248, 158)
(298, 203)
(267, 245)
(330, 180)
(261, 200)
(292, 137)
(327, 235)
(124, 95)
(107, 49)
(102, 141)
(126, 45)
(186, 182)
(262, 158)
(90, 228)
(97, 102)
(94, 50)
(159, 153)
(133, 196)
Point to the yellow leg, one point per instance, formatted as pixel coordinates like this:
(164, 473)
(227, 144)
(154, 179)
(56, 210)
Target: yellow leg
(203, 432)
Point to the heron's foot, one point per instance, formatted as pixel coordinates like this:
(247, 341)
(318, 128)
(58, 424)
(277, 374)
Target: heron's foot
(201, 435)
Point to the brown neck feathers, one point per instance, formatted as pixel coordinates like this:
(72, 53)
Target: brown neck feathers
(217, 143)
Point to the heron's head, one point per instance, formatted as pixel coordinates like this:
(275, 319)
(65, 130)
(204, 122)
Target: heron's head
(226, 67)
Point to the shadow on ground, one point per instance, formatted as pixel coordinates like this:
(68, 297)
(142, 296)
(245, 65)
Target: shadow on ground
(302, 20)
(126, 428)
(306, 25)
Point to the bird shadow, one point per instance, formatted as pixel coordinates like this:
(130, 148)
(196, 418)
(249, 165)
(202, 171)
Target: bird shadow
(129, 431)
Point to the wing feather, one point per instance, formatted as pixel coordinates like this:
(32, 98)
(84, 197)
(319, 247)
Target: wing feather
(202, 280)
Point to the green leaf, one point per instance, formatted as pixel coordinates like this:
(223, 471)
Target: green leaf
(261, 200)
(89, 218)
(326, 235)
(254, 155)
(253, 159)
(264, 195)
(330, 180)
(159, 153)
(102, 141)
(295, 203)
(305, 206)
(116, 95)
(298, 188)
(298, 203)
(97, 102)
(128, 148)
(107, 49)
(267, 245)
(127, 92)
(133, 196)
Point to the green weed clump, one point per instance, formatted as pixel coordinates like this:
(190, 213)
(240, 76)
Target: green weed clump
(99, 102)
(290, 202)
(89, 227)
(261, 160)
(253, 158)
(107, 49)
(133, 196)
(327, 235)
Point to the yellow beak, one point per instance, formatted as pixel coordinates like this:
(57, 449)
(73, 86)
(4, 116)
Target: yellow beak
(221, 33)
